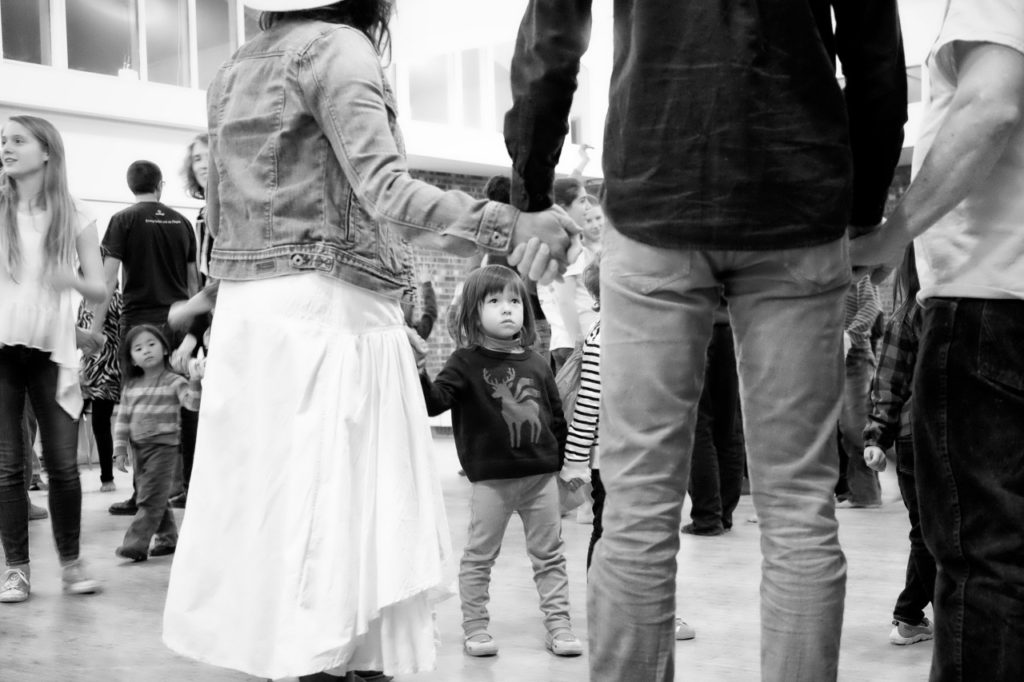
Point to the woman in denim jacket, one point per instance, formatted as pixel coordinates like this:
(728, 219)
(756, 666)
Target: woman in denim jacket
(316, 538)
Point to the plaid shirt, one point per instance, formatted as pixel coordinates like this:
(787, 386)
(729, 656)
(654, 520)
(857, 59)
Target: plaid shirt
(890, 388)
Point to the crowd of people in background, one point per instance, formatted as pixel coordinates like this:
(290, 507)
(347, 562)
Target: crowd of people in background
(714, 302)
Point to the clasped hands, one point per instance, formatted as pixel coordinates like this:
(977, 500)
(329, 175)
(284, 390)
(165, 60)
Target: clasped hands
(543, 244)
(878, 252)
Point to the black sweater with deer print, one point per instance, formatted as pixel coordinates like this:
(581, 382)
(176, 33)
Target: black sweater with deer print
(506, 414)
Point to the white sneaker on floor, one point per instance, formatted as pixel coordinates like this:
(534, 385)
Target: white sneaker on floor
(14, 586)
(684, 631)
(480, 644)
(76, 580)
(903, 634)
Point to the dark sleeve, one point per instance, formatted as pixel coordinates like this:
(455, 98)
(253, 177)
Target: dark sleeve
(426, 321)
(193, 251)
(559, 427)
(445, 391)
(552, 37)
(869, 44)
(114, 239)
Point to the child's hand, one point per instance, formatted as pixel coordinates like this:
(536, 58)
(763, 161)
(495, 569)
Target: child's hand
(575, 474)
(121, 463)
(419, 348)
(197, 367)
(874, 457)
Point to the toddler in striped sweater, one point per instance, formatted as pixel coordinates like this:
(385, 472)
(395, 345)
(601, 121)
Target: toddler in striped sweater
(148, 419)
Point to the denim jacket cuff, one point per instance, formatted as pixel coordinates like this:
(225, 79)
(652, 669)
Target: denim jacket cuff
(496, 227)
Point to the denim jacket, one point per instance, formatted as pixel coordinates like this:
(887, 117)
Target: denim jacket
(726, 127)
(308, 169)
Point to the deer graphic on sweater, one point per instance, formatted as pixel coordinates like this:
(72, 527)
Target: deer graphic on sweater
(519, 407)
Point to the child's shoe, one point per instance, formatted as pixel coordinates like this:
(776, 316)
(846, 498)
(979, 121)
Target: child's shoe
(162, 550)
(107, 487)
(76, 581)
(904, 633)
(130, 553)
(480, 644)
(684, 631)
(564, 643)
(14, 586)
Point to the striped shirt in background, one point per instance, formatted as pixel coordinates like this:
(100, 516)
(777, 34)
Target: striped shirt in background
(890, 413)
(581, 443)
(862, 307)
(151, 413)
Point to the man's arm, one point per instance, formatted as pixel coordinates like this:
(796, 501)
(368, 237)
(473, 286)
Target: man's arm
(552, 37)
(869, 44)
(984, 113)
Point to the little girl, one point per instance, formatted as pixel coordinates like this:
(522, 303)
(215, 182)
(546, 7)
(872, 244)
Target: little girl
(148, 418)
(509, 434)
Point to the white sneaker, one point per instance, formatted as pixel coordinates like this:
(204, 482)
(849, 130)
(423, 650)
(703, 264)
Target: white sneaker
(684, 631)
(480, 644)
(14, 586)
(903, 634)
(76, 581)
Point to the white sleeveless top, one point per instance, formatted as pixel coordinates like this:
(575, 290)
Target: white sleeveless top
(34, 315)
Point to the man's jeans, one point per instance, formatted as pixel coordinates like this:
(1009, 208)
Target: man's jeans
(492, 503)
(786, 310)
(969, 445)
(26, 371)
(716, 468)
(861, 479)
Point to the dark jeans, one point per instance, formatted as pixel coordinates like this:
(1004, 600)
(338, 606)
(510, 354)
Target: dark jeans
(716, 468)
(969, 439)
(861, 479)
(102, 410)
(920, 585)
(189, 428)
(598, 496)
(154, 472)
(25, 371)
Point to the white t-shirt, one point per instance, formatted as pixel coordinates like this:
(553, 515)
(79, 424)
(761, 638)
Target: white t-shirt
(584, 302)
(977, 249)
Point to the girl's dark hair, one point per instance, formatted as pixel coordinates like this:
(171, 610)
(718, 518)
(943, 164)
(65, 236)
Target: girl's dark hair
(129, 369)
(567, 189)
(592, 279)
(372, 17)
(192, 186)
(482, 282)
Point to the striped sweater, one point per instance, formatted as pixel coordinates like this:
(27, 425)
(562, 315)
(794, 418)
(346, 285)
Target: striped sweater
(581, 443)
(151, 412)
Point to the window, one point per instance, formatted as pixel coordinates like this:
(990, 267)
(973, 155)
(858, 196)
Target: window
(102, 36)
(428, 89)
(26, 30)
(502, 83)
(472, 116)
(167, 41)
(213, 26)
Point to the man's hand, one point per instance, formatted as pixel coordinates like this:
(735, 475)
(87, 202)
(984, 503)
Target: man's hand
(542, 244)
(880, 251)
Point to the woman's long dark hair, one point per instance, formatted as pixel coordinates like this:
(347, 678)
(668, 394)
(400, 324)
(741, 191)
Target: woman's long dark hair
(372, 17)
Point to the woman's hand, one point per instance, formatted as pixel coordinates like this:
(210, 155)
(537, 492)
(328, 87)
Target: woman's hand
(542, 244)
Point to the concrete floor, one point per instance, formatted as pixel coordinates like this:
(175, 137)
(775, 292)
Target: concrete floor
(115, 636)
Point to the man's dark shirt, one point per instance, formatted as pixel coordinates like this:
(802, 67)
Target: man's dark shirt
(156, 247)
(726, 126)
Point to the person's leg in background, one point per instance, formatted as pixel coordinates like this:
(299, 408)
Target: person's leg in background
(969, 465)
(656, 308)
(102, 413)
(728, 430)
(920, 583)
(705, 481)
(189, 427)
(786, 310)
(861, 479)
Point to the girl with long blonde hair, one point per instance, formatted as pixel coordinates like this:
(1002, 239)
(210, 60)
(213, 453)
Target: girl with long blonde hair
(48, 248)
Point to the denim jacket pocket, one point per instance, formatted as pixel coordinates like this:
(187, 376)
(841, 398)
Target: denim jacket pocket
(1000, 351)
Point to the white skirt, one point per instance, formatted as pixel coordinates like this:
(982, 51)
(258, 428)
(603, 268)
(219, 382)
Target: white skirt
(315, 537)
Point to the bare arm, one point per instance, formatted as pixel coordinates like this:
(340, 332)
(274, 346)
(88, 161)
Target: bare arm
(91, 285)
(111, 266)
(984, 113)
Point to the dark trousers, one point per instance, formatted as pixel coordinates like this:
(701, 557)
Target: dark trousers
(189, 428)
(154, 473)
(29, 372)
(598, 496)
(920, 584)
(716, 468)
(969, 444)
(102, 411)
